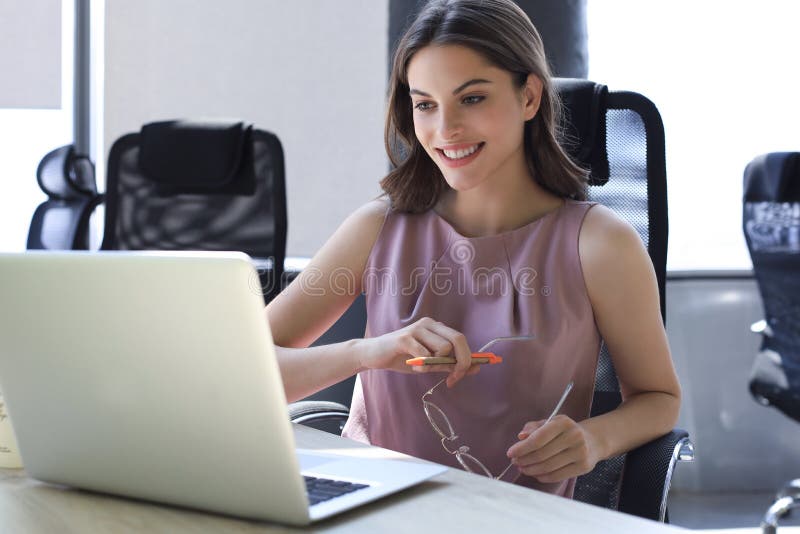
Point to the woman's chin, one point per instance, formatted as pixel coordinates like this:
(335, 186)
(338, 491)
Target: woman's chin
(461, 185)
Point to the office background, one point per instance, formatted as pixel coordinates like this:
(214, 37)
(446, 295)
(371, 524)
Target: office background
(314, 72)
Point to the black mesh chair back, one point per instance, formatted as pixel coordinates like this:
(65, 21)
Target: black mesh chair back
(211, 186)
(619, 137)
(62, 221)
(771, 221)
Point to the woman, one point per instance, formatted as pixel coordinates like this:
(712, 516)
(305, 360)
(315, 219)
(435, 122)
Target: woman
(483, 232)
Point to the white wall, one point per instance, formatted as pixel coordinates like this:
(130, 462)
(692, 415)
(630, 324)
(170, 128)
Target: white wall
(313, 72)
(30, 54)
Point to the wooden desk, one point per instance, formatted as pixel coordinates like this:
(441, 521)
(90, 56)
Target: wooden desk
(455, 501)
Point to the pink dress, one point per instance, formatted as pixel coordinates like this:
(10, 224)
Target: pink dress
(525, 281)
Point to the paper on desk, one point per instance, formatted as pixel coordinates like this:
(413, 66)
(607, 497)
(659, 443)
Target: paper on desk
(9, 453)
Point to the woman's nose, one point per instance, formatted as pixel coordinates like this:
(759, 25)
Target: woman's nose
(450, 124)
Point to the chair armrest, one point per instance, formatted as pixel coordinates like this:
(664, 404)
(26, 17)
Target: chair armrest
(648, 474)
(323, 415)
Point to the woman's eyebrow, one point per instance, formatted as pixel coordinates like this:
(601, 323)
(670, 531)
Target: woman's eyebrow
(455, 91)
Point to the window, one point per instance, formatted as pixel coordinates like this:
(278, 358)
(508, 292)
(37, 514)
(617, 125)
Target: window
(28, 133)
(724, 77)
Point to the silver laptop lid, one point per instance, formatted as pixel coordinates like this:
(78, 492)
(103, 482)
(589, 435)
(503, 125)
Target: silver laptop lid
(90, 348)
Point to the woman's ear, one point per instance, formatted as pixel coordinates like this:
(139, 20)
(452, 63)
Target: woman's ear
(532, 96)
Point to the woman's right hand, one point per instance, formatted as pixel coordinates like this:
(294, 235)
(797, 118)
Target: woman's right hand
(423, 338)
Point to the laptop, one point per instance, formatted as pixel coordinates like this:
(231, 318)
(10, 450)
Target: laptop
(153, 375)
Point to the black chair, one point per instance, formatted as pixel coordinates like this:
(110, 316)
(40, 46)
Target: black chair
(185, 185)
(619, 137)
(62, 221)
(771, 222)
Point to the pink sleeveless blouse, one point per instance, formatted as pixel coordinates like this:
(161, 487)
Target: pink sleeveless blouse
(524, 281)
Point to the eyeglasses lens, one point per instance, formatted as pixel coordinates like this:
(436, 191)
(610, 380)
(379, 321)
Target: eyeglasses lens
(438, 420)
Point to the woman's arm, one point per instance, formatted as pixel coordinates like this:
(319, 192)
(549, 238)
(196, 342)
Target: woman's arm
(302, 312)
(316, 299)
(623, 290)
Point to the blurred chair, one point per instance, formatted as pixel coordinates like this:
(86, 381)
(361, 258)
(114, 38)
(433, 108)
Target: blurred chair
(62, 221)
(187, 185)
(771, 221)
(619, 137)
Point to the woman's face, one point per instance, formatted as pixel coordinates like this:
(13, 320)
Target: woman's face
(469, 115)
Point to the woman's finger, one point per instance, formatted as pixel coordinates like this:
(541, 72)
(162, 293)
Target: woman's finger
(540, 437)
(436, 344)
(461, 351)
(413, 348)
(564, 473)
(551, 465)
(553, 449)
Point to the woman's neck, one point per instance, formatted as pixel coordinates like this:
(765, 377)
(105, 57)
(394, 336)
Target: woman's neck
(484, 212)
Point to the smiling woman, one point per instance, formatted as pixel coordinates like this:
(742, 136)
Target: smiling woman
(453, 126)
(510, 67)
(482, 193)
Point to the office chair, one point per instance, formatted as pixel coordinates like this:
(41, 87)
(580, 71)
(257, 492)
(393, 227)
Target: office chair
(185, 185)
(619, 137)
(62, 221)
(771, 223)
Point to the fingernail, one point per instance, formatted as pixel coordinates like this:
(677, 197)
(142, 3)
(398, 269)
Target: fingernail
(522, 435)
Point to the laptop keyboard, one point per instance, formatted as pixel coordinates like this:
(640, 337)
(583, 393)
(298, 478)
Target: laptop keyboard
(323, 489)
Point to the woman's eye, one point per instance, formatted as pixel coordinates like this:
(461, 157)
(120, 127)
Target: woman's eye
(474, 99)
(422, 106)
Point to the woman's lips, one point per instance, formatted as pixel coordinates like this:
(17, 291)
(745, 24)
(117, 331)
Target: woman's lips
(460, 162)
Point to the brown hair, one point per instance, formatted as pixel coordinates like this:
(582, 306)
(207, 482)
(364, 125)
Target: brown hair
(501, 32)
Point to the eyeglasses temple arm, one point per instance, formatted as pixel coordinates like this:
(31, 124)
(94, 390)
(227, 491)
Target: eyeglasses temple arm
(507, 338)
(560, 401)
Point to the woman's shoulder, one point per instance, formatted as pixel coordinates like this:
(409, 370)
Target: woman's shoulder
(379, 205)
(608, 245)
(366, 221)
(351, 242)
(379, 213)
(603, 226)
(372, 212)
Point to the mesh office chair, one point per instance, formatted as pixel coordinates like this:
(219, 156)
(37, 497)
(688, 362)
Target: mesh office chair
(619, 136)
(62, 221)
(183, 185)
(771, 222)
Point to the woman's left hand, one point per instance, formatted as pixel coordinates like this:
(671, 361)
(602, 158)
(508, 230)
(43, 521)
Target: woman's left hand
(555, 451)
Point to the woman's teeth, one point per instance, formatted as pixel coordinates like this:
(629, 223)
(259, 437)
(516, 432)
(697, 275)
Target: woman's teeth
(458, 154)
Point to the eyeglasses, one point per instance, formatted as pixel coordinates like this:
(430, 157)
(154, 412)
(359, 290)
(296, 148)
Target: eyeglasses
(442, 426)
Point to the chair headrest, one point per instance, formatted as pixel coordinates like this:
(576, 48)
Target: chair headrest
(66, 175)
(193, 156)
(585, 106)
(773, 177)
